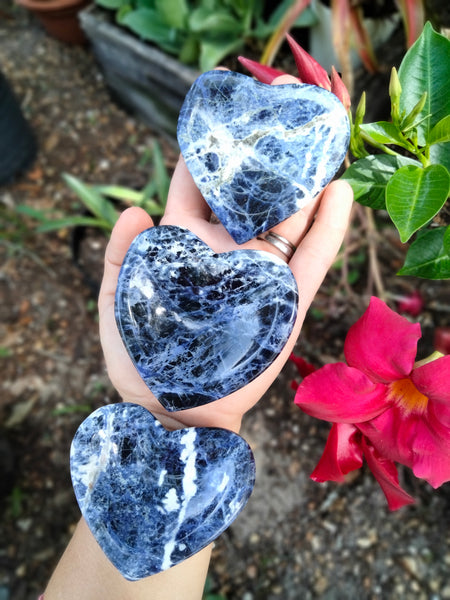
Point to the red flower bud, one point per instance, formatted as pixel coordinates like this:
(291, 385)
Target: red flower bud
(262, 73)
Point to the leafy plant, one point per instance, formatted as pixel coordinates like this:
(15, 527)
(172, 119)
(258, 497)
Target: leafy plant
(407, 170)
(200, 32)
(348, 27)
(99, 200)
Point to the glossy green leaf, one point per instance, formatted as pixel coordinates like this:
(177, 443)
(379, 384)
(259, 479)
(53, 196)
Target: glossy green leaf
(440, 132)
(426, 68)
(447, 240)
(383, 132)
(440, 155)
(369, 177)
(414, 195)
(427, 256)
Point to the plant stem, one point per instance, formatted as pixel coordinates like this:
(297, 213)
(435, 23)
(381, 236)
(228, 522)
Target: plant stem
(374, 265)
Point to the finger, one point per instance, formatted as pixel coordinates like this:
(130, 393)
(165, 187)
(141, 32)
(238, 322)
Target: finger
(318, 249)
(131, 222)
(184, 198)
(284, 79)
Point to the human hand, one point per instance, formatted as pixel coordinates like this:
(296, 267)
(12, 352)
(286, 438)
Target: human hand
(317, 230)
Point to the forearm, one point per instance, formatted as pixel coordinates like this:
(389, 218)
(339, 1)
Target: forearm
(84, 573)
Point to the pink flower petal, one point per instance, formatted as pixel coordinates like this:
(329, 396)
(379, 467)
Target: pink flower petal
(385, 473)
(442, 339)
(382, 344)
(417, 441)
(309, 69)
(342, 454)
(433, 380)
(339, 89)
(393, 433)
(304, 368)
(262, 73)
(341, 394)
(412, 304)
(431, 460)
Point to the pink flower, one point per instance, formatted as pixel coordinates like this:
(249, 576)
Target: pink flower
(383, 407)
(304, 368)
(412, 304)
(309, 70)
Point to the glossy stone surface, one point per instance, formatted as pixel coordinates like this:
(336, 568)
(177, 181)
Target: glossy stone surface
(152, 498)
(200, 325)
(259, 153)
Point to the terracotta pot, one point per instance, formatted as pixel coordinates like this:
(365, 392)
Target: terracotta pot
(59, 18)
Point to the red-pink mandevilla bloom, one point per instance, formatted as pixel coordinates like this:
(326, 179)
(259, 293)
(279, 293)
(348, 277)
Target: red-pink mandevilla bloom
(309, 70)
(385, 408)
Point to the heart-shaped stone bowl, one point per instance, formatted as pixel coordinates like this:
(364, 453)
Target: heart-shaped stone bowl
(200, 325)
(257, 152)
(153, 497)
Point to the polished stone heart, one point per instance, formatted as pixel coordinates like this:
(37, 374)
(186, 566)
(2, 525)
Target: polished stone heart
(151, 497)
(200, 325)
(259, 153)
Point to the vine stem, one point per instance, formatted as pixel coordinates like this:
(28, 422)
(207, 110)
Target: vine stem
(374, 265)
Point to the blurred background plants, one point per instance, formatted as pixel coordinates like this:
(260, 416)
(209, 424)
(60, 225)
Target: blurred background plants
(102, 202)
(197, 32)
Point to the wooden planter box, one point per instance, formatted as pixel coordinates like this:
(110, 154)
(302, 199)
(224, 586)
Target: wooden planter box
(147, 81)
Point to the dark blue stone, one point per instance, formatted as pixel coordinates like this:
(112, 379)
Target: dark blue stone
(199, 325)
(259, 153)
(151, 497)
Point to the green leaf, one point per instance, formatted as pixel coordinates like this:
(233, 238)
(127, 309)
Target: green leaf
(369, 177)
(118, 193)
(383, 132)
(214, 24)
(111, 4)
(440, 132)
(99, 206)
(148, 25)
(426, 68)
(160, 174)
(447, 240)
(427, 257)
(414, 195)
(440, 155)
(54, 224)
(173, 12)
(212, 52)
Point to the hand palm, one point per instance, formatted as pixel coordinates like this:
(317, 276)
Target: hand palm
(317, 246)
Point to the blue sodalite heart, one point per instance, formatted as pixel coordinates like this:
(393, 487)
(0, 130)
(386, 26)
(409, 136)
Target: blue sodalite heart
(200, 325)
(259, 153)
(151, 497)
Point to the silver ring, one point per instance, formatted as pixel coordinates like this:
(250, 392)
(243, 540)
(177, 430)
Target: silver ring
(279, 242)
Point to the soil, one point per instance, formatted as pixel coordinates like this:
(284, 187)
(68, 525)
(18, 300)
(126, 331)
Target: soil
(295, 539)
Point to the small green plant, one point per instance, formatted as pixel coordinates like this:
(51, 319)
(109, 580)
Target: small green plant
(407, 170)
(197, 32)
(100, 200)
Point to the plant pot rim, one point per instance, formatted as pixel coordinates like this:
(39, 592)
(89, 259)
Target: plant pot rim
(50, 5)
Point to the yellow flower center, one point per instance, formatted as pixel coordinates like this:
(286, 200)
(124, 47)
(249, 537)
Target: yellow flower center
(404, 393)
